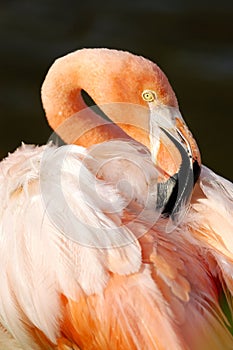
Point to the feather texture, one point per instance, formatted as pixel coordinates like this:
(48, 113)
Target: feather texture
(91, 295)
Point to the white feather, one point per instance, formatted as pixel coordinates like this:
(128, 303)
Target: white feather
(210, 221)
(59, 228)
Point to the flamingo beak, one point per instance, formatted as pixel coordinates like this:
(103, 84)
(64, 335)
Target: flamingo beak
(174, 152)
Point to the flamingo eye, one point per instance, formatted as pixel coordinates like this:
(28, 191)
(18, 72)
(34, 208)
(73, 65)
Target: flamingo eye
(148, 95)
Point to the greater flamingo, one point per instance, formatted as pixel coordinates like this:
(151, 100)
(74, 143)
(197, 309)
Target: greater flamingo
(122, 240)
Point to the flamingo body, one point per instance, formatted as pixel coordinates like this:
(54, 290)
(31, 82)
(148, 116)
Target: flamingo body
(88, 260)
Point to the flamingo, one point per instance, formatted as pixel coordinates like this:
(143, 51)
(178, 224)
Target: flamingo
(119, 239)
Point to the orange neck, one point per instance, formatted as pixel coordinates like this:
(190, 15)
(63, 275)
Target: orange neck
(108, 76)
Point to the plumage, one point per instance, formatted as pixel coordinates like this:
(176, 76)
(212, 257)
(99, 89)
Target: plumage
(89, 260)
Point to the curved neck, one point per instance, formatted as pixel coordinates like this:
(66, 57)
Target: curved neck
(107, 76)
(65, 109)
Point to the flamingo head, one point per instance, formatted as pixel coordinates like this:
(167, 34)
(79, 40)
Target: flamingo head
(139, 103)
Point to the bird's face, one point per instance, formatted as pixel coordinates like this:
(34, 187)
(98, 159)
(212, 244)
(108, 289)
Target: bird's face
(161, 128)
(166, 126)
(136, 96)
(174, 151)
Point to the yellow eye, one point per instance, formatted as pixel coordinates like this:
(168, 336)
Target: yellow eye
(148, 95)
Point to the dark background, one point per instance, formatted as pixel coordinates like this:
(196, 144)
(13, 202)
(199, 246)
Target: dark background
(192, 41)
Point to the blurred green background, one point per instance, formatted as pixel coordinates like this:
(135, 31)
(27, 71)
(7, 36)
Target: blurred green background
(192, 41)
